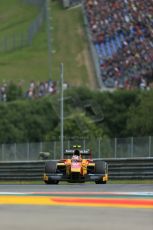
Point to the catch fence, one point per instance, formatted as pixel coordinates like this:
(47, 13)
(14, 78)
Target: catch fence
(116, 148)
(20, 39)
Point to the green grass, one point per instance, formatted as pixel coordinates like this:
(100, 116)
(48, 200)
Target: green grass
(15, 16)
(69, 44)
(130, 182)
(109, 182)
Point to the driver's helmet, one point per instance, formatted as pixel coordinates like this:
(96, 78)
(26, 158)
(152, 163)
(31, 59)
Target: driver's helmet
(76, 152)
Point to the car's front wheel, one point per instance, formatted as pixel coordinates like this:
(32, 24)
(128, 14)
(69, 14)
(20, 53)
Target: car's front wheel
(50, 167)
(101, 168)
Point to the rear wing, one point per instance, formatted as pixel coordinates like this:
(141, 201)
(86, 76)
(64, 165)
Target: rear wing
(83, 152)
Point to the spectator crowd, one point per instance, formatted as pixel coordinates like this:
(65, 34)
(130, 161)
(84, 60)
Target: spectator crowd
(37, 90)
(34, 90)
(122, 33)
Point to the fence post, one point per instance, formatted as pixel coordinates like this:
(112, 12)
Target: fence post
(84, 144)
(149, 146)
(28, 147)
(41, 147)
(14, 41)
(2, 152)
(15, 151)
(68, 144)
(115, 150)
(99, 145)
(54, 154)
(21, 39)
(5, 43)
(30, 36)
(131, 147)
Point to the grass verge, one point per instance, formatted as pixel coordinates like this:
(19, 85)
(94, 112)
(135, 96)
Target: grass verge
(69, 46)
(109, 182)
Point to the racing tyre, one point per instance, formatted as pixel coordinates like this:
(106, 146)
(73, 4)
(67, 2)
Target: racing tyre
(50, 167)
(100, 168)
(52, 182)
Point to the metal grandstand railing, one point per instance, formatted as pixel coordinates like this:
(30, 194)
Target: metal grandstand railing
(93, 51)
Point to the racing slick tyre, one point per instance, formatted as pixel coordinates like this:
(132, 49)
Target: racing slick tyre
(52, 182)
(50, 167)
(100, 168)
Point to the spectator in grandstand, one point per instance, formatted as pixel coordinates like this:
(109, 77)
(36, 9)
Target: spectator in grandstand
(122, 34)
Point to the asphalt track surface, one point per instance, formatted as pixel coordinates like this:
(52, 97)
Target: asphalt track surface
(74, 206)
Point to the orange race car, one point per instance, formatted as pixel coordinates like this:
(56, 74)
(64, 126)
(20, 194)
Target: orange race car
(77, 166)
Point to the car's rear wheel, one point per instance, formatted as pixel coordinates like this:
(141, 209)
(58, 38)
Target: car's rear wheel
(51, 182)
(100, 182)
(100, 168)
(50, 167)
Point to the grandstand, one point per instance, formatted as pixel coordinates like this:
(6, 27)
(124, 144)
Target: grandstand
(122, 34)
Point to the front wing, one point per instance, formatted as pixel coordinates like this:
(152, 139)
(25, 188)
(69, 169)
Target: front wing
(86, 178)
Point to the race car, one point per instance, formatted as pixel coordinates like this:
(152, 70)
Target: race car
(76, 167)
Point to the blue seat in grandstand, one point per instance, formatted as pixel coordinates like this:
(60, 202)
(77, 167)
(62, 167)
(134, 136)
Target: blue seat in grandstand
(122, 37)
(114, 46)
(142, 37)
(101, 61)
(103, 50)
(108, 48)
(98, 49)
(118, 41)
(99, 53)
(132, 30)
